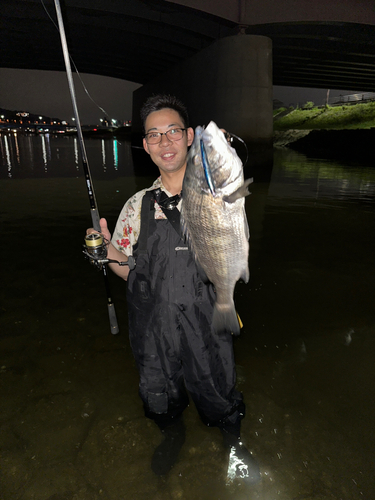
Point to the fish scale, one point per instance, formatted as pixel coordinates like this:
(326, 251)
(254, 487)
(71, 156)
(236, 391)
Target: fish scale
(213, 218)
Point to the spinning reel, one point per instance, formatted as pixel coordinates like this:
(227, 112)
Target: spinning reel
(95, 250)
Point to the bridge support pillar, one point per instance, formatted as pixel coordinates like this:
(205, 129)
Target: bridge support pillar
(229, 82)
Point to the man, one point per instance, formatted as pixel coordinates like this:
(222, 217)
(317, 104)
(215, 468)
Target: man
(170, 307)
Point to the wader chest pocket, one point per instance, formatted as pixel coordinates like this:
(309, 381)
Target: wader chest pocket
(143, 289)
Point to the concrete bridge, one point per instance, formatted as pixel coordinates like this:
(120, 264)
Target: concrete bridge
(222, 57)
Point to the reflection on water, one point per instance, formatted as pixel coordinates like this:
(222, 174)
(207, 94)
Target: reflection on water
(6, 155)
(73, 424)
(297, 177)
(45, 156)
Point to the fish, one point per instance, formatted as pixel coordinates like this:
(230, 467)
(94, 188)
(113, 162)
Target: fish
(213, 219)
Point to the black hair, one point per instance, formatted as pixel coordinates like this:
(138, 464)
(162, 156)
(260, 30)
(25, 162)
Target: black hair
(162, 101)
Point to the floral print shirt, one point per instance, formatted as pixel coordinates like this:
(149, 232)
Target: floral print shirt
(128, 225)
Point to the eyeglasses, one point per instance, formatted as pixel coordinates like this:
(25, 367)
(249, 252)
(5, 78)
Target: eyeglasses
(174, 134)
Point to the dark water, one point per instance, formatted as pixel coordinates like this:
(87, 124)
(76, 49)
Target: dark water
(72, 424)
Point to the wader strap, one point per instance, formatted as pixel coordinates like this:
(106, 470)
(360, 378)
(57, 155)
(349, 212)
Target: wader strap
(172, 214)
(147, 211)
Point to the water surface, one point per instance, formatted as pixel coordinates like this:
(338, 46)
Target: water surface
(72, 425)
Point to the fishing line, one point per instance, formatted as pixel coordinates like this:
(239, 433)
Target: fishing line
(75, 67)
(90, 188)
(229, 137)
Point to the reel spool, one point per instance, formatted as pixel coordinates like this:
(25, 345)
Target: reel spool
(95, 246)
(95, 249)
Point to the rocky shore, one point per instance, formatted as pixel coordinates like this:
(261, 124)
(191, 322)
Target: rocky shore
(283, 138)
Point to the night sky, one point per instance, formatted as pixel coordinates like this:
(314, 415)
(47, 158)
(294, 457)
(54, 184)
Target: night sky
(47, 93)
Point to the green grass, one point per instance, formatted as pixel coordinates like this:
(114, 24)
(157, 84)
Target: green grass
(355, 116)
(278, 111)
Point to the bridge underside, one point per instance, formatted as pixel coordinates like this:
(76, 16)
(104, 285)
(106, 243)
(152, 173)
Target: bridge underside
(322, 55)
(137, 41)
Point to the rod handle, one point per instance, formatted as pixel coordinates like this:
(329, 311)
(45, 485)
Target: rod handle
(113, 319)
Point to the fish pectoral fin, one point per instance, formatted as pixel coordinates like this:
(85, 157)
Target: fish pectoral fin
(241, 192)
(245, 276)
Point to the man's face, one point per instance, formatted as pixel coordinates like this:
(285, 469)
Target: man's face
(169, 156)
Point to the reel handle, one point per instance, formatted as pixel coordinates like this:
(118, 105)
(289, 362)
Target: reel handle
(95, 249)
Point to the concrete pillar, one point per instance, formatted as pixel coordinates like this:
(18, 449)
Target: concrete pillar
(229, 82)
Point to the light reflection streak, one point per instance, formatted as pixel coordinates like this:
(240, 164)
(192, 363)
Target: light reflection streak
(2, 149)
(103, 155)
(44, 153)
(48, 144)
(7, 155)
(115, 154)
(30, 152)
(76, 154)
(17, 148)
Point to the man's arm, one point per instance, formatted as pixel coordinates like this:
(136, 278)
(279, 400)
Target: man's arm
(112, 252)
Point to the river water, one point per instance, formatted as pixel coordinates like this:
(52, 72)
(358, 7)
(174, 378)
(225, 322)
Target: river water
(72, 424)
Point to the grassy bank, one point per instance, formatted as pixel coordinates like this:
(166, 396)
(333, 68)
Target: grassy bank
(355, 116)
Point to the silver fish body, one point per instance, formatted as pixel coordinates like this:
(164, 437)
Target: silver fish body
(214, 219)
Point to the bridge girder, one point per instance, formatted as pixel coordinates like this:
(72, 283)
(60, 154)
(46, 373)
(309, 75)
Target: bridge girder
(138, 40)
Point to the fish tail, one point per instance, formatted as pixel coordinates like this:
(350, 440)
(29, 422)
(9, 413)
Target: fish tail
(225, 319)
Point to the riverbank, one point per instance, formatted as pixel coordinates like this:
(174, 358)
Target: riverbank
(347, 130)
(346, 117)
(346, 144)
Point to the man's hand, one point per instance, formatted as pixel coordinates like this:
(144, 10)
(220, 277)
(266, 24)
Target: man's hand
(103, 229)
(112, 252)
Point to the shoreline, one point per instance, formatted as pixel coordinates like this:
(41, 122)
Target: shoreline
(348, 143)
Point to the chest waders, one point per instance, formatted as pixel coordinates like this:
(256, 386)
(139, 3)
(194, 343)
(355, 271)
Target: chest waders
(170, 312)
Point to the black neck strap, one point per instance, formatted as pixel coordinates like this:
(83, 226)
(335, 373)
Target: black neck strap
(169, 207)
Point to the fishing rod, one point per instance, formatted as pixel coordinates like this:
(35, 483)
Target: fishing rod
(95, 243)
